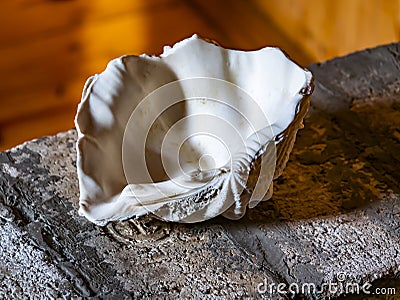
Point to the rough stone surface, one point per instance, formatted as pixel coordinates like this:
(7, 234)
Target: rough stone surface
(333, 222)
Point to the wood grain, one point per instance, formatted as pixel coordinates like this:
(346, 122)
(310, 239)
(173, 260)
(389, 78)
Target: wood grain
(326, 29)
(49, 48)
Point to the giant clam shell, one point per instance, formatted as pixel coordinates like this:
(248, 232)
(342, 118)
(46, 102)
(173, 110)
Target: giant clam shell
(197, 132)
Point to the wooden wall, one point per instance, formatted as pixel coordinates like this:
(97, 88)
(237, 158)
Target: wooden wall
(49, 48)
(325, 29)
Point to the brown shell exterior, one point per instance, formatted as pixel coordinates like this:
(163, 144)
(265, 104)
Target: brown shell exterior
(284, 147)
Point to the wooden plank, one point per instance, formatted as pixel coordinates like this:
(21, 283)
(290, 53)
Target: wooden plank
(79, 47)
(52, 73)
(243, 26)
(325, 29)
(26, 102)
(94, 44)
(25, 20)
(49, 48)
(46, 122)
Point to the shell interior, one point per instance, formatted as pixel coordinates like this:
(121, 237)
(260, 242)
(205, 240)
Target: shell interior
(197, 132)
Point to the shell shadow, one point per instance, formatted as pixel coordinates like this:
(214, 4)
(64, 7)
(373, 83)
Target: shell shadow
(342, 161)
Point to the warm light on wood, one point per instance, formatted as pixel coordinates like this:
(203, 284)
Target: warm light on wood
(49, 48)
(325, 29)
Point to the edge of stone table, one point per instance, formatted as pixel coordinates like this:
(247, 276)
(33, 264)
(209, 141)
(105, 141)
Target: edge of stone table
(334, 219)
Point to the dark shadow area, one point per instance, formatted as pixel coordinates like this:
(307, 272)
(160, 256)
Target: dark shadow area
(344, 166)
(340, 162)
(347, 156)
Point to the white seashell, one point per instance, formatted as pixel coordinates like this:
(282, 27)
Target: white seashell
(197, 132)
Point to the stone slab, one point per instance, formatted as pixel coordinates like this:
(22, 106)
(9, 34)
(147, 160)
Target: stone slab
(333, 221)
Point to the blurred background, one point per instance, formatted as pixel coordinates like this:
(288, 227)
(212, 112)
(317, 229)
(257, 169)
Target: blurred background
(49, 48)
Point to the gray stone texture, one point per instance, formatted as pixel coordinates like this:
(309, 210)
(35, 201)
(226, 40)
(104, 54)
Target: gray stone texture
(334, 219)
